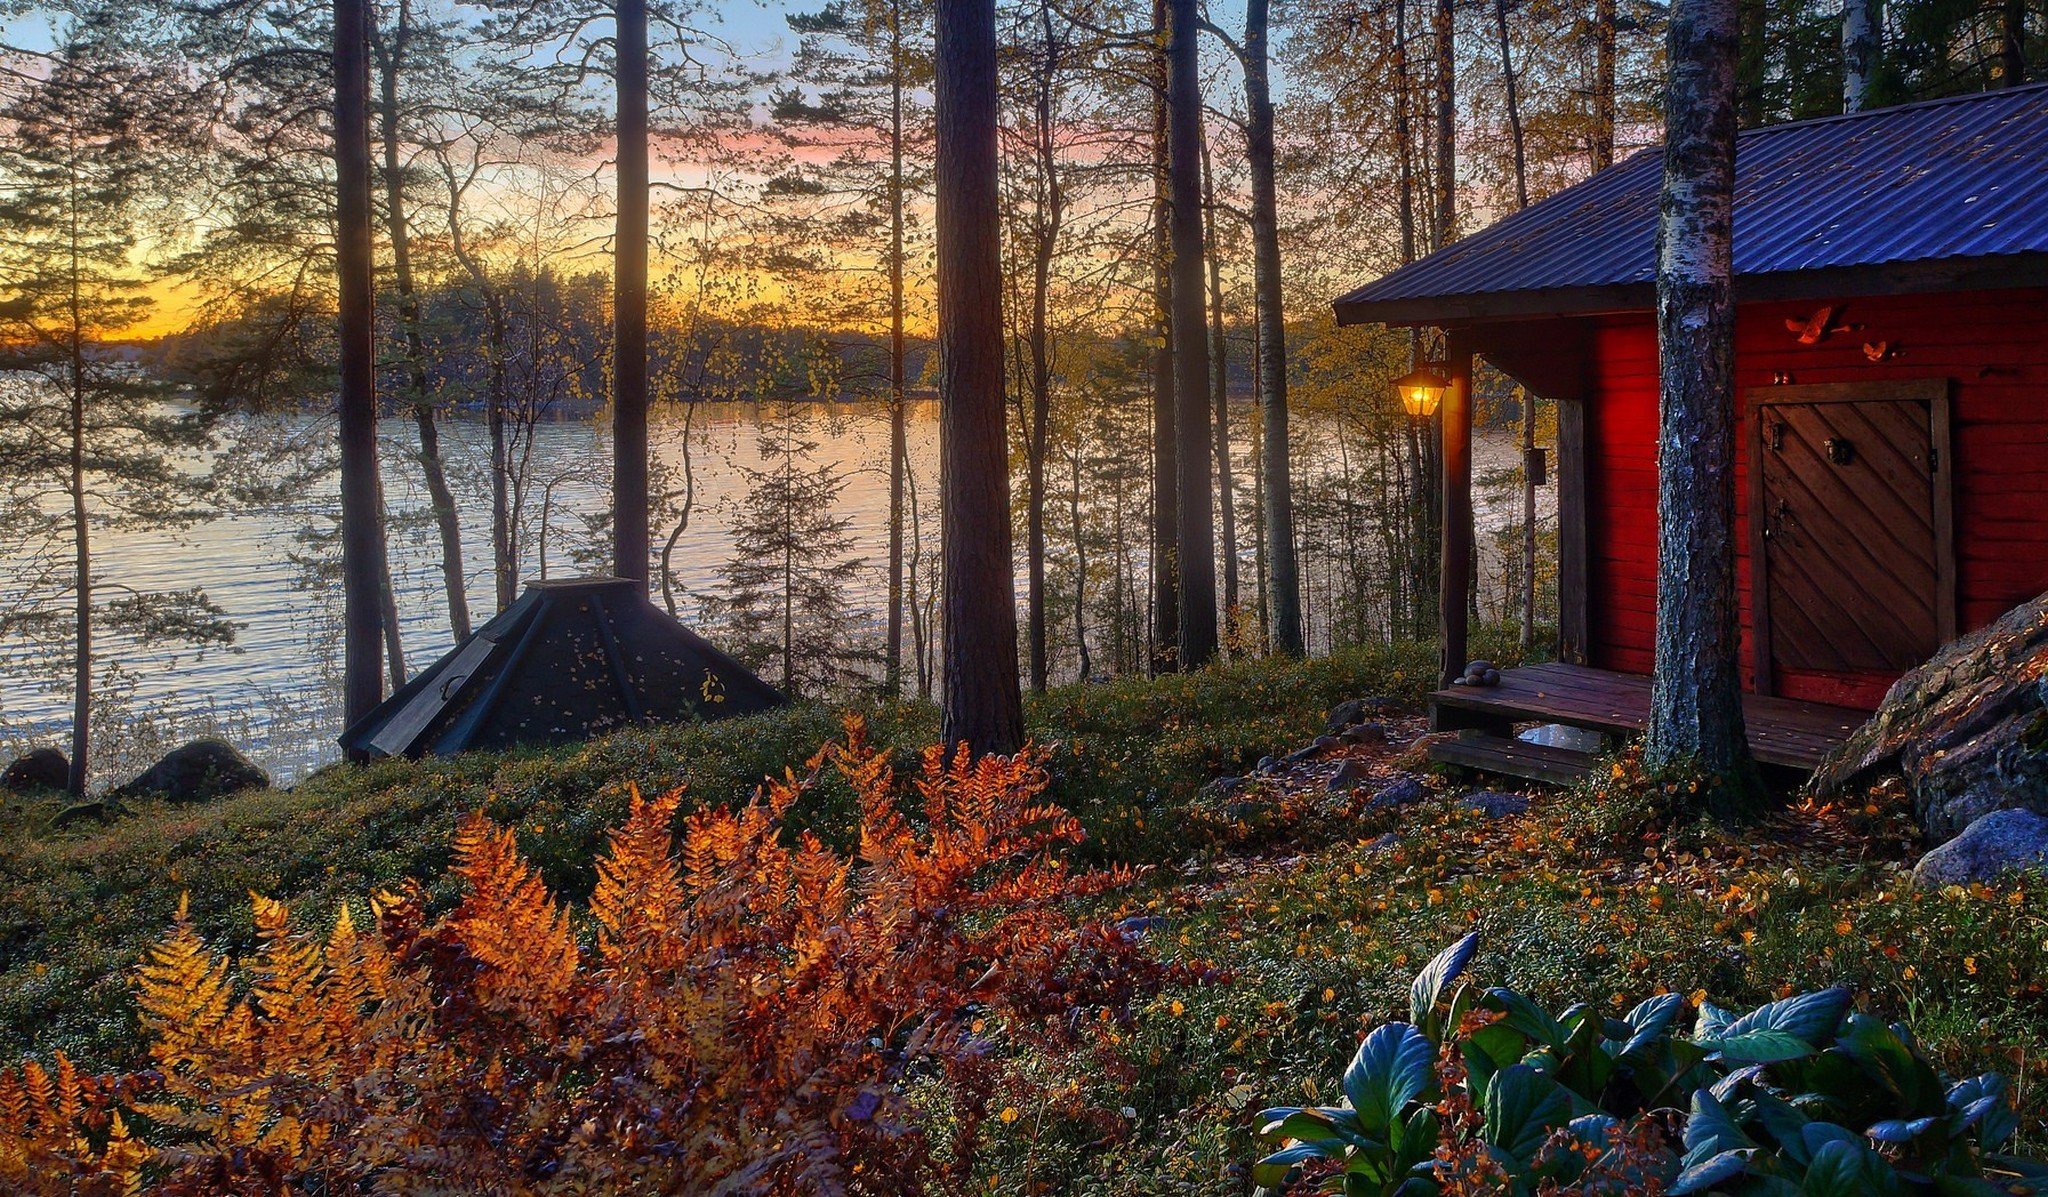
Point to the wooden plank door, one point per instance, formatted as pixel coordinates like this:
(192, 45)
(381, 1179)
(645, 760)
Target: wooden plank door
(1854, 572)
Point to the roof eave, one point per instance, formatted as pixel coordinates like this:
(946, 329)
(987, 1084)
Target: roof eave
(1842, 282)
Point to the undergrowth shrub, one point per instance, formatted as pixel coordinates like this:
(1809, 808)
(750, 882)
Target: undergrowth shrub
(1485, 1091)
(741, 1011)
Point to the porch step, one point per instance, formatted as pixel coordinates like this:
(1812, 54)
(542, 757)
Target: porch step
(1513, 758)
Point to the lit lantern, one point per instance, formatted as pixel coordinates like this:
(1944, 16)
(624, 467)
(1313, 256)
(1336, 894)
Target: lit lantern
(1421, 390)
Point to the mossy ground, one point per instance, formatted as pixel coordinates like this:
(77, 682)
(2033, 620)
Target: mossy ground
(1312, 918)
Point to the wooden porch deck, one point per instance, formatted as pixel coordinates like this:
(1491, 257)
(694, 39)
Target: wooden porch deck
(1783, 732)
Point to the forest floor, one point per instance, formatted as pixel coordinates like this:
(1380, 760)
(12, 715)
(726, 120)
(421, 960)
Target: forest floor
(1307, 906)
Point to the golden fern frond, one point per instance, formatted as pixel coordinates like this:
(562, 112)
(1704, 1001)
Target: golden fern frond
(639, 899)
(510, 924)
(187, 1002)
(292, 1015)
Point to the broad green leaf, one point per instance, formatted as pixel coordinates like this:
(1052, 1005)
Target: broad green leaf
(1436, 977)
(1276, 1169)
(1900, 1130)
(1758, 1046)
(1844, 1169)
(1392, 1068)
(1526, 1016)
(1813, 1017)
(1711, 1021)
(1522, 1107)
(1711, 1171)
(1709, 1131)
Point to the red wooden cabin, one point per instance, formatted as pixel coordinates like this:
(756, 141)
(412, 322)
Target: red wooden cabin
(1892, 371)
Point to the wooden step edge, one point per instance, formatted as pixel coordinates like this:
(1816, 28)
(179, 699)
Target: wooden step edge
(1514, 758)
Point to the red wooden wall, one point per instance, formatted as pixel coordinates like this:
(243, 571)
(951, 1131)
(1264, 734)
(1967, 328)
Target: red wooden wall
(1991, 345)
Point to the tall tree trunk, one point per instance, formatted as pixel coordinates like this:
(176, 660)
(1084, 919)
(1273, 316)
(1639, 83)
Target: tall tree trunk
(504, 531)
(1603, 84)
(433, 468)
(1861, 50)
(81, 529)
(387, 602)
(362, 530)
(1261, 574)
(1046, 239)
(1445, 39)
(899, 434)
(1219, 394)
(689, 506)
(1528, 402)
(2012, 43)
(1086, 665)
(1514, 104)
(983, 707)
(1522, 395)
(1165, 627)
(1696, 706)
(629, 302)
(1404, 133)
(1282, 574)
(1197, 559)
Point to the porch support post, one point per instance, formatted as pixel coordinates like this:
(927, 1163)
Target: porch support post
(1454, 592)
(1574, 596)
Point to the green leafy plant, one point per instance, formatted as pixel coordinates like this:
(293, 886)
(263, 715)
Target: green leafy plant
(1486, 1091)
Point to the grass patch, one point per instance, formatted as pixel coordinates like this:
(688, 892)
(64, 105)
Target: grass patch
(77, 908)
(1320, 945)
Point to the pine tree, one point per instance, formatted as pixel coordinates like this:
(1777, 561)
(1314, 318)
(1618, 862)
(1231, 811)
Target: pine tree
(786, 605)
(984, 706)
(81, 145)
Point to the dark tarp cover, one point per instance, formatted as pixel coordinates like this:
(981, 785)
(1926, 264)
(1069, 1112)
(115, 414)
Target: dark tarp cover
(569, 660)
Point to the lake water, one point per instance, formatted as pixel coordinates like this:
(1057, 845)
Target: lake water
(276, 692)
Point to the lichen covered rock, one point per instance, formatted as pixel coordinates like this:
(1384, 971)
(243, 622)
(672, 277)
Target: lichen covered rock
(199, 771)
(1968, 730)
(42, 769)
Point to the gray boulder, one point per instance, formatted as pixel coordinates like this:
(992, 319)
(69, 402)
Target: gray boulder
(1969, 729)
(1403, 790)
(42, 769)
(1344, 714)
(199, 771)
(1366, 733)
(1497, 804)
(2001, 840)
(1349, 776)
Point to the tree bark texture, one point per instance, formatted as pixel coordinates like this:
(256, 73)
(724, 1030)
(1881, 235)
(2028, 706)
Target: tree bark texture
(629, 301)
(899, 433)
(362, 507)
(983, 707)
(1696, 708)
(1219, 394)
(1165, 639)
(1282, 576)
(1445, 37)
(1197, 558)
(1861, 47)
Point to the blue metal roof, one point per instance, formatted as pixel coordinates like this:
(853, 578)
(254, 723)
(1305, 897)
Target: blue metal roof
(1938, 195)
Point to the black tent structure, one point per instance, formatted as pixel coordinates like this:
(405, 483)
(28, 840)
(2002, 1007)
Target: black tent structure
(569, 660)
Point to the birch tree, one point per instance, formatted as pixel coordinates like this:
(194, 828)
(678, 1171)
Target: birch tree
(1696, 718)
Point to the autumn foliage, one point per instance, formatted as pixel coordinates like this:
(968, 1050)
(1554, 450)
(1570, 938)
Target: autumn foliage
(740, 1010)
